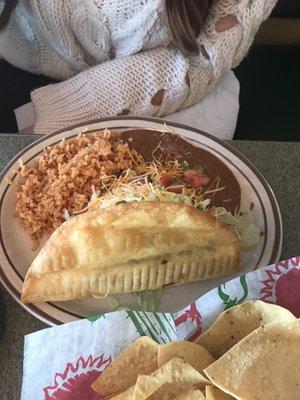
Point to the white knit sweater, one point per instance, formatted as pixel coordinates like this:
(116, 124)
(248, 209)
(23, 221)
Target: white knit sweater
(117, 56)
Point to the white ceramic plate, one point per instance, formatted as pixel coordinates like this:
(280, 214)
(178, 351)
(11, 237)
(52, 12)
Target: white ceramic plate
(15, 246)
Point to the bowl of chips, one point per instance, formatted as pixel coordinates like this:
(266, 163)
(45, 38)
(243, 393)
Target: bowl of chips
(238, 357)
(229, 344)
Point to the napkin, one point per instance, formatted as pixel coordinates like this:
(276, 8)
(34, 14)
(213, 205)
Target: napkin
(62, 362)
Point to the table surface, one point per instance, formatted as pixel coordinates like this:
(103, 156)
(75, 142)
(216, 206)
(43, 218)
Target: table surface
(277, 162)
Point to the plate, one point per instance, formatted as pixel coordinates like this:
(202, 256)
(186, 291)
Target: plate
(257, 200)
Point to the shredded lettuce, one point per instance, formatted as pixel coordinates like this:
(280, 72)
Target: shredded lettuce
(249, 234)
(114, 303)
(172, 197)
(202, 206)
(199, 168)
(185, 166)
(178, 198)
(226, 217)
(149, 299)
(250, 237)
(132, 197)
(152, 197)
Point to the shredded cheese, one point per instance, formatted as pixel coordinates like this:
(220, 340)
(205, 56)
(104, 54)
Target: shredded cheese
(143, 182)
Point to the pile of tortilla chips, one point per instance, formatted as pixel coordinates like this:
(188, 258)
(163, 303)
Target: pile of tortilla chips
(251, 352)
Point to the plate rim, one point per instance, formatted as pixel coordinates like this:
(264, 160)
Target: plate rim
(276, 250)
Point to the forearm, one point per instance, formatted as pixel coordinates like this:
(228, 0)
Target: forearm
(149, 83)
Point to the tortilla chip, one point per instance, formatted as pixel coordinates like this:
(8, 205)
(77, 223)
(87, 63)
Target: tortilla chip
(264, 365)
(165, 391)
(237, 322)
(194, 354)
(214, 393)
(140, 358)
(168, 380)
(190, 395)
(145, 386)
(127, 395)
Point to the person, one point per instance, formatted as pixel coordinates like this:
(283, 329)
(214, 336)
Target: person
(163, 58)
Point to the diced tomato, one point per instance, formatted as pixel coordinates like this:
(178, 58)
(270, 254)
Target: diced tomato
(166, 179)
(175, 189)
(194, 178)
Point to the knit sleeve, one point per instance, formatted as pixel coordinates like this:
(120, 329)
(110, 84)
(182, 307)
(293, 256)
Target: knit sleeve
(226, 38)
(155, 82)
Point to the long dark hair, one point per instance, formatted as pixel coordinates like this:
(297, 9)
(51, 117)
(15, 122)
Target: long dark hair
(186, 18)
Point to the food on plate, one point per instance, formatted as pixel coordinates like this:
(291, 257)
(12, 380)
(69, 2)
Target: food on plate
(63, 178)
(214, 393)
(131, 247)
(103, 168)
(234, 324)
(264, 365)
(92, 180)
(193, 353)
(141, 357)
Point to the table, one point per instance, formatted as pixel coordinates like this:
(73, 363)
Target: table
(277, 162)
